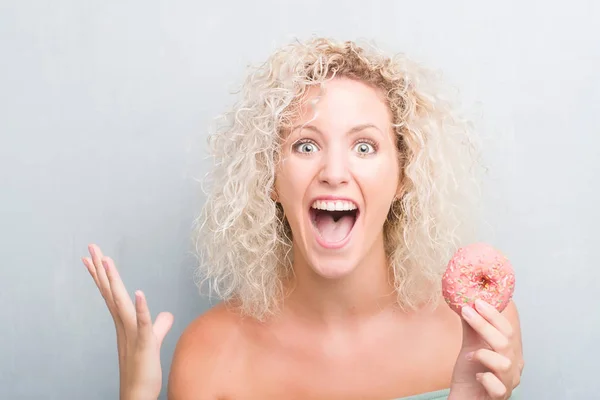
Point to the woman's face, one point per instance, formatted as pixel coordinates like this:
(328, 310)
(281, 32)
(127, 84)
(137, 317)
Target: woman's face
(338, 176)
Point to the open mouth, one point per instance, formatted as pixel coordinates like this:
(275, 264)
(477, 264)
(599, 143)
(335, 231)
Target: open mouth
(333, 220)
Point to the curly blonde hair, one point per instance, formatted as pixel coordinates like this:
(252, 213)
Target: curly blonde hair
(242, 238)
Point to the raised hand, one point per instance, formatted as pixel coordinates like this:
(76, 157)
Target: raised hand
(138, 340)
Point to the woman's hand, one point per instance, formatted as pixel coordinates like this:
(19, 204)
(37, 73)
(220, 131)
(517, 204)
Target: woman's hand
(138, 341)
(490, 362)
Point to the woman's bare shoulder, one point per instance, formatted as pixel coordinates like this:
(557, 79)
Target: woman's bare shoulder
(206, 355)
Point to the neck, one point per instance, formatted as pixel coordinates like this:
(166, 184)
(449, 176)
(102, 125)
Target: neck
(363, 293)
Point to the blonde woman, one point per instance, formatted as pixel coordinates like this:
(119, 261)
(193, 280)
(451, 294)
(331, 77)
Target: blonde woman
(343, 181)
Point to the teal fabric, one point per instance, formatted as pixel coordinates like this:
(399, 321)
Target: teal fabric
(443, 395)
(437, 395)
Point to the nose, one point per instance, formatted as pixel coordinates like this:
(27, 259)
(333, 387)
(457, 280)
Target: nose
(334, 169)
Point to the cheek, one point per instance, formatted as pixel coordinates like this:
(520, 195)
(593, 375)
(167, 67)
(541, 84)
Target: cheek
(292, 180)
(379, 175)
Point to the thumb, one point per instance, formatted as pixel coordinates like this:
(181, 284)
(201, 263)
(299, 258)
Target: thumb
(162, 325)
(468, 333)
(471, 340)
(467, 330)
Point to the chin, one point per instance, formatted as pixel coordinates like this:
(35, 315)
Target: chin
(332, 269)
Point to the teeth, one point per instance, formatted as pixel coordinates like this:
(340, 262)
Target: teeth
(335, 205)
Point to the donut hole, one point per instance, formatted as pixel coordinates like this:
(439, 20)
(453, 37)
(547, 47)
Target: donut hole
(485, 282)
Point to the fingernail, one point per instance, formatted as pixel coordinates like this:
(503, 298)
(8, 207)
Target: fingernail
(469, 356)
(92, 251)
(105, 264)
(478, 376)
(138, 296)
(468, 312)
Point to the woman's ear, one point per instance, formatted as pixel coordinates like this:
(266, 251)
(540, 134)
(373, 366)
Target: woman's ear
(274, 195)
(400, 191)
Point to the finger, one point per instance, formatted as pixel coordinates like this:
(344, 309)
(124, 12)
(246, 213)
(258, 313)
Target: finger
(91, 269)
(489, 333)
(494, 317)
(495, 362)
(121, 298)
(492, 385)
(162, 325)
(144, 320)
(104, 286)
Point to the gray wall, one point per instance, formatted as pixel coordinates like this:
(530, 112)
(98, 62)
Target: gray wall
(104, 109)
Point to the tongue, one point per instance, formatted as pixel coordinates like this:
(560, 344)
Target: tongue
(333, 231)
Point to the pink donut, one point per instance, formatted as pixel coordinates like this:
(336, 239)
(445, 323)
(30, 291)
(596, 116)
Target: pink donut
(478, 271)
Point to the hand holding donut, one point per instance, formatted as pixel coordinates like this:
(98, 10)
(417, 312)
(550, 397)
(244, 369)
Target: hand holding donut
(138, 341)
(478, 284)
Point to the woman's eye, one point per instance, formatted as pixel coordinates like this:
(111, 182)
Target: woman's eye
(364, 148)
(306, 147)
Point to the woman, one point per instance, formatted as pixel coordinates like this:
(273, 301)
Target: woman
(340, 190)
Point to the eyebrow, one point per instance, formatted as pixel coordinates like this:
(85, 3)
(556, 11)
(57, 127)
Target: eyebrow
(355, 129)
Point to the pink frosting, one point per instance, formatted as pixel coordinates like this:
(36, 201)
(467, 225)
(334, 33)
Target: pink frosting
(478, 271)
